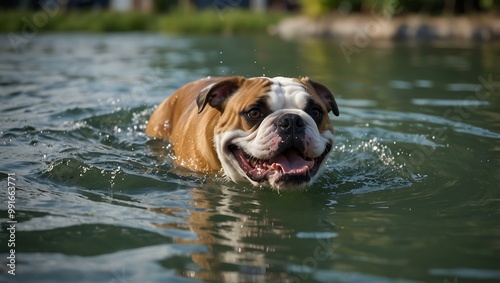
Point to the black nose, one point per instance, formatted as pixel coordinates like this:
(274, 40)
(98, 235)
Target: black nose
(291, 124)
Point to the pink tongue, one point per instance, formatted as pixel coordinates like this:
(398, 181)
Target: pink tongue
(291, 162)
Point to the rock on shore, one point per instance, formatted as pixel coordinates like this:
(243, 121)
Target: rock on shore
(383, 27)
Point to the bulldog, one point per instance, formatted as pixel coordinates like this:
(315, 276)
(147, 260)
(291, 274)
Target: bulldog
(267, 131)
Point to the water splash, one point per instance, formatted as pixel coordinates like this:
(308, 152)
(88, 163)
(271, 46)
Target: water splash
(366, 166)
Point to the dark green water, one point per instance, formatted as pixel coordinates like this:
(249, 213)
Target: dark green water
(411, 193)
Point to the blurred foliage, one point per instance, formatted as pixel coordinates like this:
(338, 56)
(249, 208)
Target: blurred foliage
(164, 6)
(19, 21)
(210, 21)
(317, 8)
(175, 17)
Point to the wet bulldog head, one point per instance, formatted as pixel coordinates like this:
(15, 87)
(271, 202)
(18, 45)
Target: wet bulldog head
(271, 131)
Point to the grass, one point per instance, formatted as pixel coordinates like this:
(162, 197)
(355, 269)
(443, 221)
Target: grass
(210, 21)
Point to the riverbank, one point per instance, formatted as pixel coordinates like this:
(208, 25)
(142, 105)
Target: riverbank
(359, 28)
(371, 27)
(210, 21)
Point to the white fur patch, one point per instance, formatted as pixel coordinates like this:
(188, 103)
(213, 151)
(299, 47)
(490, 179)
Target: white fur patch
(286, 93)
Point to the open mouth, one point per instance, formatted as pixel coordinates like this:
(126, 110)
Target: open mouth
(288, 166)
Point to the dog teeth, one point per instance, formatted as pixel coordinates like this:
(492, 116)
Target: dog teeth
(258, 164)
(275, 166)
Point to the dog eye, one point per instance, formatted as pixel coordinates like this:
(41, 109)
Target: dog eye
(255, 113)
(316, 114)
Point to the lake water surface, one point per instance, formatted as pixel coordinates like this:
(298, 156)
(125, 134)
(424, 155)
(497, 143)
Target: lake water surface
(411, 192)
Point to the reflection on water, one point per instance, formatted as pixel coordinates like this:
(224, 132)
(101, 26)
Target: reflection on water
(409, 193)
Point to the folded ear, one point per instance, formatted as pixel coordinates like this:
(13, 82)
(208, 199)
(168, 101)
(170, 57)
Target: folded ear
(325, 94)
(216, 94)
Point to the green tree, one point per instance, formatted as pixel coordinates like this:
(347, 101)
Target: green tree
(317, 8)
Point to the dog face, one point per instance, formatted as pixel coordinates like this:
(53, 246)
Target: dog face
(271, 131)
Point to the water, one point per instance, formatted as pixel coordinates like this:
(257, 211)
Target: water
(410, 193)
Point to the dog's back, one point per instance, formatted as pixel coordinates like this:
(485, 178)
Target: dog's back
(175, 115)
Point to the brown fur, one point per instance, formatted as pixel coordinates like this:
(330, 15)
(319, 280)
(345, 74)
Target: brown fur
(177, 120)
(191, 133)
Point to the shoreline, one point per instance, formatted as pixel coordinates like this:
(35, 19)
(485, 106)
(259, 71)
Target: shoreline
(380, 27)
(358, 28)
(181, 22)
